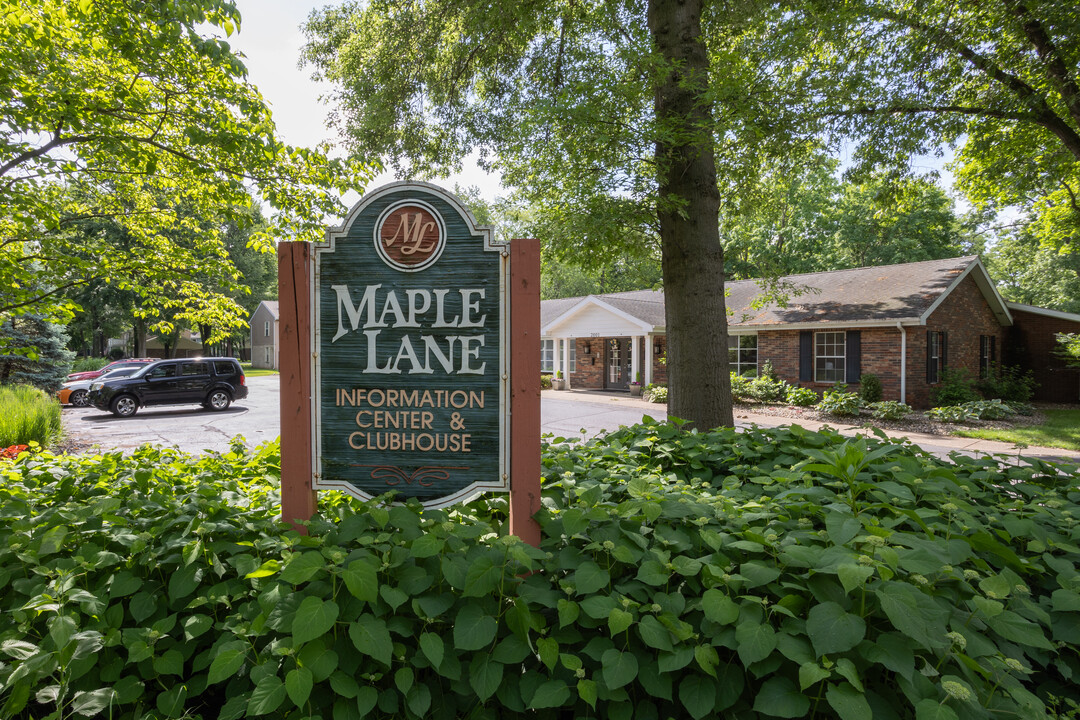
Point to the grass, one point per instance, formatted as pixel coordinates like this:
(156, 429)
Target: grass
(1061, 430)
(256, 372)
(28, 415)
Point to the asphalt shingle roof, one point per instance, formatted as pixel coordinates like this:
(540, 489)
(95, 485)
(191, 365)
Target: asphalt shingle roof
(890, 292)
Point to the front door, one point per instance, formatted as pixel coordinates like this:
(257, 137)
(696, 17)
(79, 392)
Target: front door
(617, 364)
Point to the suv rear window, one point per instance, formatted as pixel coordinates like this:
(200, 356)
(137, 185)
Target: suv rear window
(196, 368)
(224, 367)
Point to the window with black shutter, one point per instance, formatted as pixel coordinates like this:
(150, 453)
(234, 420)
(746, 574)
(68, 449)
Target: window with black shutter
(936, 355)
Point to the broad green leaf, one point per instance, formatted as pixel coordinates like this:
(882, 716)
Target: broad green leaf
(548, 650)
(18, 649)
(93, 703)
(1012, 627)
(142, 606)
(989, 608)
(61, 629)
(485, 675)
(707, 658)
(426, 546)
(362, 581)
(226, 664)
(404, 679)
(779, 697)
(832, 629)
(568, 612)
(302, 567)
(370, 636)
(1065, 600)
(313, 618)
(473, 629)
(590, 578)
(298, 684)
(914, 613)
(811, 674)
(482, 578)
(366, 699)
(853, 576)
(996, 587)
(928, 709)
(171, 702)
(758, 574)
(619, 668)
(846, 668)
(653, 573)
(432, 647)
(586, 690)
(394, 597)
(718, 607)
(196, 625)
(619, 620)
(756, 641)
(52, 541)
(268, 568)
(551, 693)
(418, 699)
(267, 696)
(653, 633)
(697, 693)
(849, 703)
(171, 662)
(841, 527)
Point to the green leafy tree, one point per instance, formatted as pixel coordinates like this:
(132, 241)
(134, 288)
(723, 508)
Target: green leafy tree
(138, 111)
(610, 120)
(1028, 272)
(995, 79)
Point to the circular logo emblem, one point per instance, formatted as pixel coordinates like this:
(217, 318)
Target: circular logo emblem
(410, 236)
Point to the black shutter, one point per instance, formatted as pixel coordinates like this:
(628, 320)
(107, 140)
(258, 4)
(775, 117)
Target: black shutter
(993, 350)
(806, 356)
(944, 349)
(931, 364)
(853, 359)
(984, 355)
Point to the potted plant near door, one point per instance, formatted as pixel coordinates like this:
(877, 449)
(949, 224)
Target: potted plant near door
(635, 387)
(557, 382)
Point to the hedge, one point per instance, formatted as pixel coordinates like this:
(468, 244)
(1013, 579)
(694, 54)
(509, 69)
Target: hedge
(766, 573)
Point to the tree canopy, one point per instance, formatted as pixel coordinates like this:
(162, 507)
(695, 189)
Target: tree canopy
(138, 111)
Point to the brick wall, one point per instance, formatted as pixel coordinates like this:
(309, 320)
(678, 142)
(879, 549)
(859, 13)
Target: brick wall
(965, 316)
(1031, 345)
(589, 374)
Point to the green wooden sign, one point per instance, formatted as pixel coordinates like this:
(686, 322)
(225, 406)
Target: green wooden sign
(410, 370)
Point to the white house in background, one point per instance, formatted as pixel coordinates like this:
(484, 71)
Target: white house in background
(264, 335)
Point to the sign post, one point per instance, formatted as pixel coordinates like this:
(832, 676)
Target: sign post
(401, 378)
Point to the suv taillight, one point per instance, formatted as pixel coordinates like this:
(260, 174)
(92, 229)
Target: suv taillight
(243, 380)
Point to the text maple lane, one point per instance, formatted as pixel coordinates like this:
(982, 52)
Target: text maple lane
(455, 354)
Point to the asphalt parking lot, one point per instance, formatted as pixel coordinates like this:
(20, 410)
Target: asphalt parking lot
(257, 419)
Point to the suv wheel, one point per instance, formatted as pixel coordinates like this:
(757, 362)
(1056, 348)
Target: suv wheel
(79, 398)
(218, 400)
(124, 406)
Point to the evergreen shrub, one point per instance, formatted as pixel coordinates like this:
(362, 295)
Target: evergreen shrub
(765, 573)
(870, 388)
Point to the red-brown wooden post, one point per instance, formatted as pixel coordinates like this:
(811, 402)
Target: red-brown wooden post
(525, 389)
(298, 502)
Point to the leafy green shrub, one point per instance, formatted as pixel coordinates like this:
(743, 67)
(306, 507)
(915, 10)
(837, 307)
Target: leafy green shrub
(955, 388)
(655, 393)
(802, 397)
(870, 389)
(839, 402)
(989, 409)
(952, 414)
(1008, 383)
(1021, 408)
(28, 415)
(767, 389)
(545, 381)
(687, 575)
(740, 387)
(889, 410)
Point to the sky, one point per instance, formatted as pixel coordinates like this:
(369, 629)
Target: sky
(270, 40)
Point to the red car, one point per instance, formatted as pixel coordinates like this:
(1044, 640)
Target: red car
(91, 374)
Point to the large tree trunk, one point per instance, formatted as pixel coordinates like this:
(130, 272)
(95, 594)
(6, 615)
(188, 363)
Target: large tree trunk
(688, 205)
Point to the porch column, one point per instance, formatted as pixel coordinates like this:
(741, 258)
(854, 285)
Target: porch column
(648, 359)
(635, 363)
(565, 360)
(556, 358)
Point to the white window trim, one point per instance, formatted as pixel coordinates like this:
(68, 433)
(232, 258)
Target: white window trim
(842, 356)
(547, 355)
(738, 365)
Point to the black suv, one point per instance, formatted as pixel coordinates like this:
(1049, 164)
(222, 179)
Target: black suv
(211, 382)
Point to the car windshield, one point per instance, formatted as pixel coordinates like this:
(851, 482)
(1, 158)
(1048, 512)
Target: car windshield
(120, 372)
(140, 371)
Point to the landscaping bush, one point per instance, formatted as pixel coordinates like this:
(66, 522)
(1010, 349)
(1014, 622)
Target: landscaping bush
(28, 415)
(720, 574)
(889, 410)
(765, 389)
(1008, 383)
(952, 414)
(870, 388)
(802, 397)
(989, 409)
(839, 402)
(740, 387)
(955, 388)
(655, 393)
(545, 381)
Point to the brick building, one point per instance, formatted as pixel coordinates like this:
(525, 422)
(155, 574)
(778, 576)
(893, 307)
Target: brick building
(903, 323)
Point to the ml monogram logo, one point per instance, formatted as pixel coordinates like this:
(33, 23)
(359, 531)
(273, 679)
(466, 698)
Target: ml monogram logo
(410, 236)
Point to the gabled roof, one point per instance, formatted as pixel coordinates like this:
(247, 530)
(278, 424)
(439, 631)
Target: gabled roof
(271, 305)
(882, 295)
